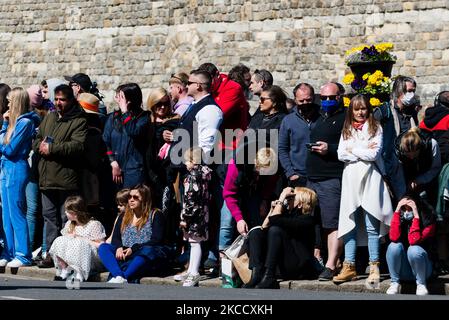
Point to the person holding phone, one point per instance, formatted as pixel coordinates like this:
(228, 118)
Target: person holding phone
(412, 229)
(294, 135)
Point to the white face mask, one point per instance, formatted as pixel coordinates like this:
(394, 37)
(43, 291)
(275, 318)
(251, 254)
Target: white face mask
(407, 215)
(408, 99)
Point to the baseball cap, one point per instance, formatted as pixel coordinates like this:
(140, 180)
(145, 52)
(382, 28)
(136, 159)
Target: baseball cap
(82, 79)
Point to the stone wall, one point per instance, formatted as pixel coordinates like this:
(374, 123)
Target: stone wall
(118, 41)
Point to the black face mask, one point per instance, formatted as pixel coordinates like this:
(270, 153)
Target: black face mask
(307, 110)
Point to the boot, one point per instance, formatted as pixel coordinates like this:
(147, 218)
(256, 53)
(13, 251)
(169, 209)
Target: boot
(348, 273)
(372, 282)
(268, 281)
(256, 277)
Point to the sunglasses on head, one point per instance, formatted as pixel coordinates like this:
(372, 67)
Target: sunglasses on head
(328, 97)
(134, 197)
(173, 76)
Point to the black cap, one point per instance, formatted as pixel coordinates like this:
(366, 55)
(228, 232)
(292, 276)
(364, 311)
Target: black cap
(82, 79)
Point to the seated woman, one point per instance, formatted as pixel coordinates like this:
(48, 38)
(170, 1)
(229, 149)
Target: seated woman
(76, 249)
(285, 241)
(412, 228)
(137, 248)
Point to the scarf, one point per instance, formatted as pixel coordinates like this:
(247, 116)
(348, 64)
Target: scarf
(358, 125)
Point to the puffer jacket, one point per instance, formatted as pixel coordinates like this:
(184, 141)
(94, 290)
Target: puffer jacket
(60, 169)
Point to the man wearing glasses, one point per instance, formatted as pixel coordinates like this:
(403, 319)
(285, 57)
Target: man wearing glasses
(324, 171)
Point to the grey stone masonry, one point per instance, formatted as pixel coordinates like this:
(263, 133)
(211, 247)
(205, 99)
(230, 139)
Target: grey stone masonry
(118, 41)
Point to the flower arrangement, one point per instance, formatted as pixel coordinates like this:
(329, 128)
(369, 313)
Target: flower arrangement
(366, 53)
(371, 69)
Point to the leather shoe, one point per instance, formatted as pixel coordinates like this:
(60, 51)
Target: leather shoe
(268, 282)
(46, 263)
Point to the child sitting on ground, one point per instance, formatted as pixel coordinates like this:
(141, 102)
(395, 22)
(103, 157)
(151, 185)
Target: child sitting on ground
(76, 250)
(122, 200)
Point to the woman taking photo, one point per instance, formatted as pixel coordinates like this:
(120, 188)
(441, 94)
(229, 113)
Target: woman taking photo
(126, 135)
(16, 135)
(137, 248)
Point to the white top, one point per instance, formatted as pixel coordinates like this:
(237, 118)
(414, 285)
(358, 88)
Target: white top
(209, 119)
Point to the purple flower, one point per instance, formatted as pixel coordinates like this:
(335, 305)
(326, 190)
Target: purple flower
(358, 84)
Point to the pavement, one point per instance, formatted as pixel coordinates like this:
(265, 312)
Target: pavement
(439, 286)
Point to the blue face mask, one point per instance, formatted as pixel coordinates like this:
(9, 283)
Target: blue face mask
(329, 106)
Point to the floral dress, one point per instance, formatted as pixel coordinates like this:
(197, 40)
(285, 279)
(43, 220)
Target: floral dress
(78, 252)
(195, 211)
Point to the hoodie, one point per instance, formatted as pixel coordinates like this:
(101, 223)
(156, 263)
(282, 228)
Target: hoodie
(19, 145)
(436, 124)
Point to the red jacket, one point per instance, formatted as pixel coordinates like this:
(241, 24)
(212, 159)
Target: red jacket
(230, 97)
(415, 234)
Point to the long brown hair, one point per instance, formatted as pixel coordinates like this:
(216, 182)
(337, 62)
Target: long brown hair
(411, 141)
(77, 205)
(145, 204)
(356, 102)
(19, 103)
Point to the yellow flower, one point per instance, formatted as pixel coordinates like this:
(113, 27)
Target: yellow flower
(365, 76)
(381, 47)
(376, 78)
(375, 102)
(346, 101)
(348, 78)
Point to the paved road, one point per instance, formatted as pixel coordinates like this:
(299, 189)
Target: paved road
(24, 288)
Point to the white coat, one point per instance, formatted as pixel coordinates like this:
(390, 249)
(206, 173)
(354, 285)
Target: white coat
(362, 183)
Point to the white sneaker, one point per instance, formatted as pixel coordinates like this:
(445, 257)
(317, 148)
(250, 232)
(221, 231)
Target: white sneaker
(421, 290)
(118, 279)
(3, 262)
(192, 280)
(181, 276)
(15, 263)
(36, 252)
(394, 288)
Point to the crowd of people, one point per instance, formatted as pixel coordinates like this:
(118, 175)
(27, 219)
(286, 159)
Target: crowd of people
(157, 188)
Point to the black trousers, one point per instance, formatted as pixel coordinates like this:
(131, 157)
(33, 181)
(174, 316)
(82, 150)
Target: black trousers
(273, 248)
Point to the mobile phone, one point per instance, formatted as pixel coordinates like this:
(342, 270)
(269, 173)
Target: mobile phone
(49, 139)
(312, 144)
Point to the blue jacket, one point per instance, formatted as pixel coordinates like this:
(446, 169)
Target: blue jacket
(20, 142)
(127, 139)
(293, 136)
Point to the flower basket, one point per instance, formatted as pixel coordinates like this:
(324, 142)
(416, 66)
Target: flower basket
(360, 68)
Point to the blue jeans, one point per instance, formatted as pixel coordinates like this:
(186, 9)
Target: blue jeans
(411, 265)
(32, 197)
(372, 230)
(14, 178)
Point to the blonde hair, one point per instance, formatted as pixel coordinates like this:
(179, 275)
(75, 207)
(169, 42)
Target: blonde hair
(19, 103)
(307, 198)
(122, 196)
(411, 141)
(155, 97)
(265, 158)
(194, 155)
(181, 78)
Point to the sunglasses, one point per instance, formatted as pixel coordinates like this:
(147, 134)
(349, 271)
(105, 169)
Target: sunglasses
(328, 97)
(262, 99)
(134, 197)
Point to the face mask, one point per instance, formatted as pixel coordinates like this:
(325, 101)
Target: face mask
(307, 109)
(409, 99)
(329, 106)
(407, 215)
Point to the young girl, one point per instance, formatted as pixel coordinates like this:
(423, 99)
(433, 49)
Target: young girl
(122, 200)
(412, 228)
(365, 207)
(77, 248)
(16, 135)
(195, 212)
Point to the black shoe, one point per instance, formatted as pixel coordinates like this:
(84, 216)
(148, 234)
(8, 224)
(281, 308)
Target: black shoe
(326, 275)
(268, 282)
(58, 278)
(256, 277)
(46, 263)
